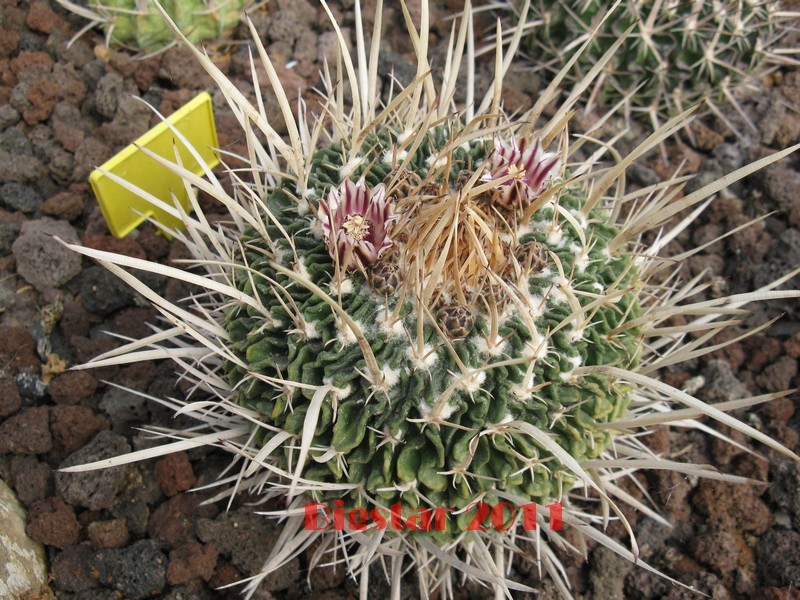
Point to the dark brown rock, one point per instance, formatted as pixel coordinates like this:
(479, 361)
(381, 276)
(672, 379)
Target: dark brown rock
(64, 205)
(33, 480)
(107, 243)
(27, 432)
(18, 351)
(72, 387)
(173, 522)
(10, 401)
(718, 550)
(108, 534)
(53, 522)
(73, 426)
(42, 18)
(174, 473)
(190, 561)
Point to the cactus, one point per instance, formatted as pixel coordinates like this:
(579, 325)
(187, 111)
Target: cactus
(425, 308)
(678, 53)
(138, 24)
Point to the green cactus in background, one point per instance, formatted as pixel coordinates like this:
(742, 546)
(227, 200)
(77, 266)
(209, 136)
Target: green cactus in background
(679, 52)
(426, 306)
(138, 24)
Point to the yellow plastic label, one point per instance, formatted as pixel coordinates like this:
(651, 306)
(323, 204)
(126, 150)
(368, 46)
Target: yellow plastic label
(123, 208)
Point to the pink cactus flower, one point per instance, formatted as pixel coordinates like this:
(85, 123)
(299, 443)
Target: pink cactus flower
(354, 222)
(530, 169)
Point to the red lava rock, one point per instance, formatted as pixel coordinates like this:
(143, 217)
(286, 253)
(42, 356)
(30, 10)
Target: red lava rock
(27, 432)
(133, 321)
(732, 507)
(42, 96)
(86, 349)
(42, 18)
(778, 376)
(136, 376)
(718, 550)
(155, 246)
(792, 345)
(760, 350)
(18, 351)
(722, 451)
(224, 574)
(64, 205)
(76, 320)
(10, 401)
(123, 63)
(173, 523)
(147, 72)
(780, 410)
(174, 473)
(74, 426)
(107, 243)
(773, 593)
(32, 63)
(8, 43)
(108, 534)
(68, 135)
(190, 561)
(53, 522)
(89, 154)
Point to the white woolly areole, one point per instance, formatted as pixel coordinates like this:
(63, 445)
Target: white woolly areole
(576, 362)
(343, 286)
(391, 377)
(316, 228)
(310, 330)
(436, 162)
(301, 269)
(393, 155)
(350, 166)
(581, 257)
(426, 360)
(443, 412)
(580, 218)
(472, 383)
(555, 235)
(338, 393)
(576, 334)
(393, 328)
(345, 335)
(490, 347)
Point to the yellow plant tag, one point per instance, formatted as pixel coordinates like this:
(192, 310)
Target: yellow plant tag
(125, 210)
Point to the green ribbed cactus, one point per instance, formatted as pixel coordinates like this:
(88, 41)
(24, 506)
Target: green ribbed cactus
(505, 358)
(679, 52)
(428, 306)
(138, 24)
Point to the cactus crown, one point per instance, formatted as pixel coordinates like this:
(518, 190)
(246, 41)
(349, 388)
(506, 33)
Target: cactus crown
(677, 54)
(428, 306)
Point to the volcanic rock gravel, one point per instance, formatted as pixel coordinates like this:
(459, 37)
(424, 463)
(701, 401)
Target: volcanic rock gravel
(138, 531)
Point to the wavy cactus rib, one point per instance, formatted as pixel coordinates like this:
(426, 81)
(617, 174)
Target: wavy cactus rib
(431, 306)
(138, 24)
(679, 53)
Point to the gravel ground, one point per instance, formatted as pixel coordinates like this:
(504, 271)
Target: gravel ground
(137, 531)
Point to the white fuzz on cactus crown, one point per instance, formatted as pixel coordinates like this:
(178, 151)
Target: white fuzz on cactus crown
(498, 319)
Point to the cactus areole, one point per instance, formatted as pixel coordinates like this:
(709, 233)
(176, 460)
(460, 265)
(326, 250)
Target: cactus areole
(487, 316)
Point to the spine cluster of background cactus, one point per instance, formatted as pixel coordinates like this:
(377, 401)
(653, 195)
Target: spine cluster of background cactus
(678, 53)
(430, 305)
(138, 24)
